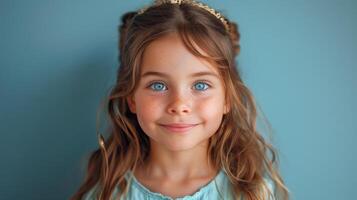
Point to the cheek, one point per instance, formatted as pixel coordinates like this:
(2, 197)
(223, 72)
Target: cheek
(211, 107)
(148, 107)
(145, 114)
(211, 112)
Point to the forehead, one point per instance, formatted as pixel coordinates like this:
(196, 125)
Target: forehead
(169, 55)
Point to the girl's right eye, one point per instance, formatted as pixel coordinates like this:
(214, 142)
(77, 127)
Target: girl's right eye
(157, 86)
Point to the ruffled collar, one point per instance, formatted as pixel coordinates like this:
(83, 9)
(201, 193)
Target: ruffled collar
(196, 195)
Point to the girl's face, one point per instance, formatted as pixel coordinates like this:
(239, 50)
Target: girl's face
(177, 89)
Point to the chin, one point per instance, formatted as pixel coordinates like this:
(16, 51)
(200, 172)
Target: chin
(180, 147)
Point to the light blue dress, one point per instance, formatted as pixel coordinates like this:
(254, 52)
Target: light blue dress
(218, 188)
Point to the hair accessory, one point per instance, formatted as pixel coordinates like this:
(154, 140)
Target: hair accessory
(191, 2)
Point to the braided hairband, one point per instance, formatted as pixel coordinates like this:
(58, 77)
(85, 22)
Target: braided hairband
(191, 2)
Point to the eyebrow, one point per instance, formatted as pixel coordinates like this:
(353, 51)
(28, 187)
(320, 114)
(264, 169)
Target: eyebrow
(197, 74)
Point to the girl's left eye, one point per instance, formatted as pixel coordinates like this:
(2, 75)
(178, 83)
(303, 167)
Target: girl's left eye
(202, 86)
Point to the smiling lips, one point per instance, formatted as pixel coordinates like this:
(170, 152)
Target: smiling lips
(178, 127)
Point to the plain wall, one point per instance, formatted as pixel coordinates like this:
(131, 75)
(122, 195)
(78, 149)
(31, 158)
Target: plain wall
(59, 59)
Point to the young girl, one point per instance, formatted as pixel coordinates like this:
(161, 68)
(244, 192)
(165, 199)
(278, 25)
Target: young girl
(183, 124)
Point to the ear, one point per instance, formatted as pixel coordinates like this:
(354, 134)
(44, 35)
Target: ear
(131, 103)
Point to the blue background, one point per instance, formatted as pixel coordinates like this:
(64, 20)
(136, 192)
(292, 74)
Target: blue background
(59, 59)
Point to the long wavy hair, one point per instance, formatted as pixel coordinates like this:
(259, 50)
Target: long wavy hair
(237, 146)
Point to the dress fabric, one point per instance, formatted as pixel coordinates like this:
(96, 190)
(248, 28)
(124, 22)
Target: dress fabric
(217, 189)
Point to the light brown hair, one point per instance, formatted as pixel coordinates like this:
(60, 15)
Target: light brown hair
(237, 146)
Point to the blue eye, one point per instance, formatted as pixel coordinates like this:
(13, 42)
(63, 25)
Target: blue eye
(201, 86)
(157, 86)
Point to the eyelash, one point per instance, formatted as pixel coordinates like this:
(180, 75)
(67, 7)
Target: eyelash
(154, 82)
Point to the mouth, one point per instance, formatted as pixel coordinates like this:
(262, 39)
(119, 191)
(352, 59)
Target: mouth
(178, 128)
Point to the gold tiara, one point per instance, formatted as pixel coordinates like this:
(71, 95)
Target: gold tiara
(191, 2)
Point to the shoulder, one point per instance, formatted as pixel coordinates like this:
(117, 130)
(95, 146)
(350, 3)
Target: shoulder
(271, 188)
(227, 192)
(91, 194)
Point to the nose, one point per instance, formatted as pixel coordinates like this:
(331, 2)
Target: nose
(180, 103)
